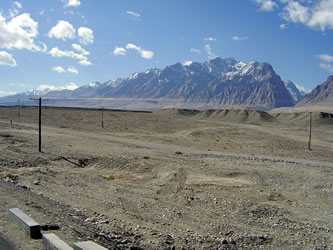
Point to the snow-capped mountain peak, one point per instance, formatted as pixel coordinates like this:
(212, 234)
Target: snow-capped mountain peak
(295, 91)
(134, 76)
(218, 82)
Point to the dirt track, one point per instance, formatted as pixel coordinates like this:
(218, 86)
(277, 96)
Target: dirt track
(170, 178)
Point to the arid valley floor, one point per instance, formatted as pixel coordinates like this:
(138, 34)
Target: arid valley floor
(169, 179)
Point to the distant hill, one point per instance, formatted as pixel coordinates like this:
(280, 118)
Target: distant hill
(217, 83)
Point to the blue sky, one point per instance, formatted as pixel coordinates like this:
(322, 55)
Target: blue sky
(61, 44)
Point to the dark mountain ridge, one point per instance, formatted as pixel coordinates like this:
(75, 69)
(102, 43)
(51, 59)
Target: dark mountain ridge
(321, 95)
(217, 83)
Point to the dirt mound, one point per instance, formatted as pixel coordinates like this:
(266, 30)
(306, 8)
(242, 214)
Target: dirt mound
(175, 111)
(318, 118)
(237, 115)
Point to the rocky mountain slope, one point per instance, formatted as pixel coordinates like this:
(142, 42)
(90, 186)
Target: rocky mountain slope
(216, 83)
(321, 95)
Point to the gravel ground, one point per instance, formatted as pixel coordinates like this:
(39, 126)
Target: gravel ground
(168, 179)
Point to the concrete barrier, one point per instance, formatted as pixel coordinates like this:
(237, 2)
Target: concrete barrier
(27, 224)
(52, 242)
(88, 245)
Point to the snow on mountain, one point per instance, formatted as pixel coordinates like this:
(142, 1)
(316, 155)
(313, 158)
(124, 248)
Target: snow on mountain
(114, 83)
(217, 83)
(296, 92)
(302, 89)
(187, 63)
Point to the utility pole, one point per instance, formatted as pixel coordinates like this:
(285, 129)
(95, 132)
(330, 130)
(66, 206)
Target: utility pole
(306, 124)
(39, 121)
(102, 117)
(40, 125)
(18, 108)
(102, 109)
(310, 131)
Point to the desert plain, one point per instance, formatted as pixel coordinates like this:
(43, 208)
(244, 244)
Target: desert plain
(169, 179)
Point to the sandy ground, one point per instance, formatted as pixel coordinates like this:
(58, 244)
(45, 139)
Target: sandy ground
(169, 179)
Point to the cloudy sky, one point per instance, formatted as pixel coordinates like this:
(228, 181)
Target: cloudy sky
(68, 43)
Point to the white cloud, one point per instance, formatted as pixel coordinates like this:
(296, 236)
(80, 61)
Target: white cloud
(322, 16)
(83, 60)
(119, 51)
(187, 63)
(70, 86)
(72, 3)
(147, 54)
(18, 5)
(7, 59)
(19, 33)
(209, 52)
(86, 35)
(196, 51)
(283, 26)
(78, 48)
(72, 70)
(15, 10)
(210, 39)
(237, 38)
(132, 13)
(295, 12)
(59, 69)
(63, 30)
(326, 67)
(85, 63)
(266, 5)
(44, 87)
(316, 14)
(56, 52)
(325, 58)
(7, 93)
(144, 53)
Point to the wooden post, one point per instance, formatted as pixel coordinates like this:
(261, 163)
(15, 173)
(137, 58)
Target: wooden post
(310, 131)
(102, 117)
(39, 121)
(18, 108)
(306, 124)
(40, 124)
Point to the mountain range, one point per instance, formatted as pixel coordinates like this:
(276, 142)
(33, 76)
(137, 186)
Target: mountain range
(218, 83)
